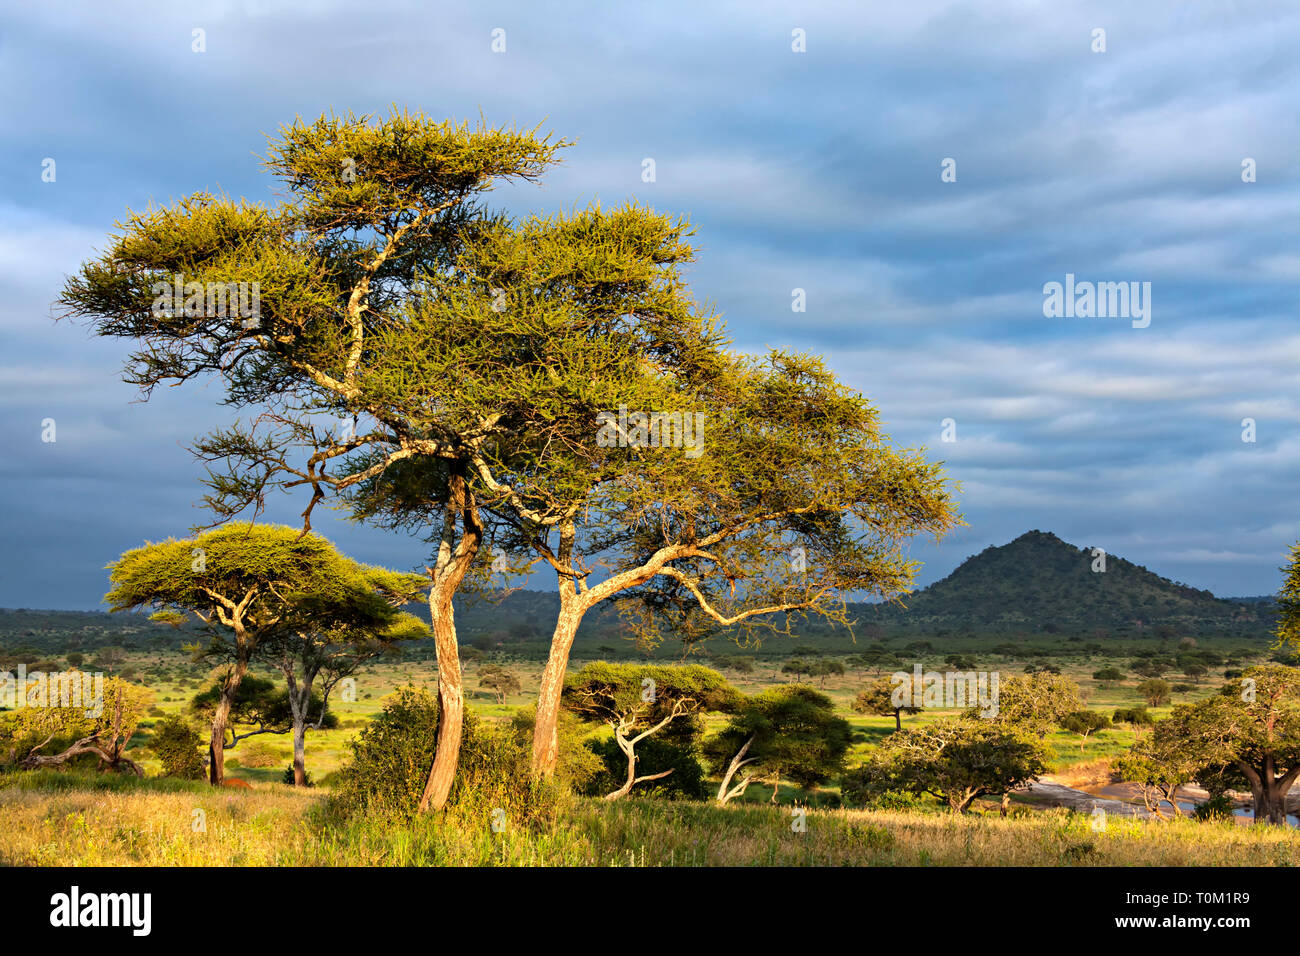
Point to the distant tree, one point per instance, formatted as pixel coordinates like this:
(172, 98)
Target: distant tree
(952, 759)
(1085, 723)
(798, 667)
(109, 659)
(1108, 674)
(826, 667)
(1151, 668)
(75, 659)
(878, 699)
(1133, 716)
(1037, 701)
(499, 681)
(1155, 691)
(785, 732)
(637, 701)
(250, 585)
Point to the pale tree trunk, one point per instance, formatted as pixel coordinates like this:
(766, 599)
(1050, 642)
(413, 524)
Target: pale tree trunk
(629, 748)
(738, 761)
(545, 728)
(221, 717)
(299, 752)
(453, 562)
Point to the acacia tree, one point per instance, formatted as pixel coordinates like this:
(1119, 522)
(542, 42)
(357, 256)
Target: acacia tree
(1162, 762)
(1248, 737)
(878, 699)
(637, 701)
(374, 210)
(955, 760)
(335, 636)
(106, 732)
(469, 355)
(499, 681)
(251, 585)
(790, 732)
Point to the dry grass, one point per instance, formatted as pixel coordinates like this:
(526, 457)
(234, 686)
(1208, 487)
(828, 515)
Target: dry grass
(62, 823)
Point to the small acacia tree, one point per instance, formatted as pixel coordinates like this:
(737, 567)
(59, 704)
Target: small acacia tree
(1085, 723)
(1162, 762)
(251, 585)
(952, 759)
(334, 636)
(637, 701)
(104, 729)
(499, 681)
(790, 732)
(1155, 691)
(878, 699)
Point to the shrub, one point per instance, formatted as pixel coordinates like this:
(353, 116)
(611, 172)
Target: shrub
(177, 745)
(258, 753)
(653, 755)
(1216, 809)
(288, 778)
(1137, 716)
(391, 757)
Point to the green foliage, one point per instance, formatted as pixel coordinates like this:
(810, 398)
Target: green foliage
(391, 757)
(390, 760)
(177, 745)
(795, 733)
(952, 759)
(878, 699)
(1217, 809)
(641, 695)
(1037, 701)
(1135, 716)
(1155, 691)
(288, 779)
(653, 756)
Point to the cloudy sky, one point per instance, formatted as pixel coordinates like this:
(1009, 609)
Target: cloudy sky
(819, 170)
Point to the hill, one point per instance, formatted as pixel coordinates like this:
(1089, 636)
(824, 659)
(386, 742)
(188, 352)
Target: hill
(1040, 583)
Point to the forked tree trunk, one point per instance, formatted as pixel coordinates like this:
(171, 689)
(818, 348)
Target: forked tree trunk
(738, 761)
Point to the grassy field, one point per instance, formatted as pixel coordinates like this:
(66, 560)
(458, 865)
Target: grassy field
(264, 758)
(69, 820)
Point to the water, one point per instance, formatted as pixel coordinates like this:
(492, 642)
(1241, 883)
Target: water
(1245, 812)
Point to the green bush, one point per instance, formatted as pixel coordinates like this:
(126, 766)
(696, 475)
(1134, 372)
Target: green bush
(177, 745)
(391, 757)
(653, 755)
(287, 777)
(1216, 809)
